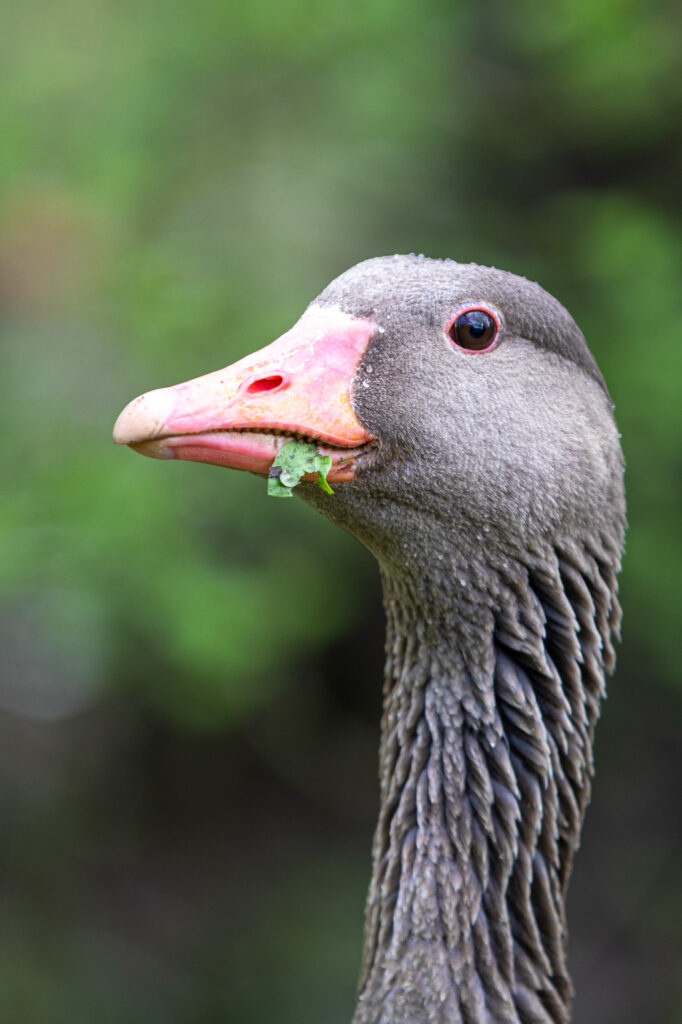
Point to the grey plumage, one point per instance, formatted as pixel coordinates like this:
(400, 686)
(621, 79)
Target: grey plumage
(489, 486)
(493, 502)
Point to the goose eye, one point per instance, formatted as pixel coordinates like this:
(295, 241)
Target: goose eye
(475, 330)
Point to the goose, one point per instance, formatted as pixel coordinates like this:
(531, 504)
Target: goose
(474, 452)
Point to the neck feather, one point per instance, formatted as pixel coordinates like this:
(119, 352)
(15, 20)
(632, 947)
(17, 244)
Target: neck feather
(494, 677)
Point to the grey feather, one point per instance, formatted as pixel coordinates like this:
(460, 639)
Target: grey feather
(494, 504)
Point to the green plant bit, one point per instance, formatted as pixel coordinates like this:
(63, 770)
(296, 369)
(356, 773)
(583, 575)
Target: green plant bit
(294, 460)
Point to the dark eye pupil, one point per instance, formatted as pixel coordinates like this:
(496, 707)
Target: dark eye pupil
(476, 325)
(474, 330)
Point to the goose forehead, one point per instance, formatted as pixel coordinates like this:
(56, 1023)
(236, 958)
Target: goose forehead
(403, 293)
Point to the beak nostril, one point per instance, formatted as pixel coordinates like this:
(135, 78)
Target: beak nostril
(276, 380)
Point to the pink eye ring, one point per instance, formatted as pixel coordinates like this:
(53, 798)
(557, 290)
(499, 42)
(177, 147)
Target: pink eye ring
(474, 329)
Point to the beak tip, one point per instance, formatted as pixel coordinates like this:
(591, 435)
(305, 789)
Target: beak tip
(145, 417)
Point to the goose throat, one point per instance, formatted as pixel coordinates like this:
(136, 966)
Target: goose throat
(493, 682)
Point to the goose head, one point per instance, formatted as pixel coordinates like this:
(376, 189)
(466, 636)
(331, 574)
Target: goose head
(450, 396)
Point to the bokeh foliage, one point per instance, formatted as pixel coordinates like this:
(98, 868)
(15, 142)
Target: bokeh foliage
(176, 183)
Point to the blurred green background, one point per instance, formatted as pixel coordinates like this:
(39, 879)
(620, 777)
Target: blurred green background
(190, 673)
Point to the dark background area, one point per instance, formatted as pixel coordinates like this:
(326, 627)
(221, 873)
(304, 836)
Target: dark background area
(189, 672)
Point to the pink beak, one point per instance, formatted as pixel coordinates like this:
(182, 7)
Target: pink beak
(241, 416)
